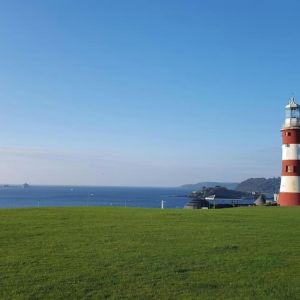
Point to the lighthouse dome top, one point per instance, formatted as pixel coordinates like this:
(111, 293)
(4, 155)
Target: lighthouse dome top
(292, 103)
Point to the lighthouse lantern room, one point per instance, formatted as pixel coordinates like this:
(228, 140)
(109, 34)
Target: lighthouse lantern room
(290, 173)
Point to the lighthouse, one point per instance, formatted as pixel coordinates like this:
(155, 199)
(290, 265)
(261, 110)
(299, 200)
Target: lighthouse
(290, 173)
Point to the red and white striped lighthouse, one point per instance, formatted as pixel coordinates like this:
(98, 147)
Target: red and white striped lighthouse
(290, 172)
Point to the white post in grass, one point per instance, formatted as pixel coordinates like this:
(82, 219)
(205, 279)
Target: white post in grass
(162, 204)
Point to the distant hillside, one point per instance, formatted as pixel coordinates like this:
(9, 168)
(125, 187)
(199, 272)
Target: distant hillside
(200, 185)
(219, 192)
(261, 185)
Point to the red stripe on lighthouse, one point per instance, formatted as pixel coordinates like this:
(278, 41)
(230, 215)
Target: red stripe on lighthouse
(290, 168)
(290, 136)
(289, 199)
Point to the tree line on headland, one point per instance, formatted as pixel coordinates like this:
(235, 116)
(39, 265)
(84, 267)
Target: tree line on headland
(258, 185)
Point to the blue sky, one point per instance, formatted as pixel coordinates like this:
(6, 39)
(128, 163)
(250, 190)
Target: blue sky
(145, 93)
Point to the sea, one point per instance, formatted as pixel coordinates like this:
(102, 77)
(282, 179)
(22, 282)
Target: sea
(43, 196)
(144, 197)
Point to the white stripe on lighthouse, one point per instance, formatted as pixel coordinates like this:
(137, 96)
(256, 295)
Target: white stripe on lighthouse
(291, 152)
(290, 184)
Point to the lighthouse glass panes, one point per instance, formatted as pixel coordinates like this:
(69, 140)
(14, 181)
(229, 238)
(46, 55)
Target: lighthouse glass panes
(292, 112)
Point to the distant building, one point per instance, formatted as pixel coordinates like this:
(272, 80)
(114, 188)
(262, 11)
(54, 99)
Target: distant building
(261, 200)
(290, 174)
(196, 203)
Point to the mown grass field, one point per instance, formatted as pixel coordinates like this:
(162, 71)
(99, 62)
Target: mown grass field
(125, 253)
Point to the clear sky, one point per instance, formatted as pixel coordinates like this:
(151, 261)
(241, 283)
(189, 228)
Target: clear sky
(144, 93)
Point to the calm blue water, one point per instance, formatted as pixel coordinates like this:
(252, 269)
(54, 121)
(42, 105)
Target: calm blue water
(35, 196)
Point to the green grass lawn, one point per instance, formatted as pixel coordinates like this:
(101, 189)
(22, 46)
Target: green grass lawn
(126, 253)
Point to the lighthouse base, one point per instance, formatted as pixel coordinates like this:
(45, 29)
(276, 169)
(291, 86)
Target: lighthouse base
(289, 199)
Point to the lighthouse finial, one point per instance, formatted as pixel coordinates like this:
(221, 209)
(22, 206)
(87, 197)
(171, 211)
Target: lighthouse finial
(293, 99)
